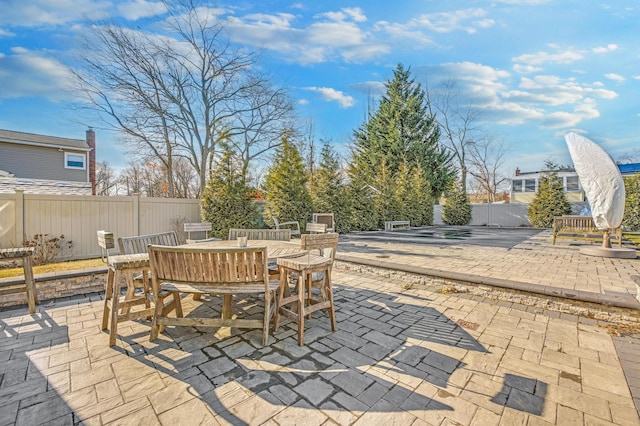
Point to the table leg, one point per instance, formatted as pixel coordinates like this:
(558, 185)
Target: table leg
(301, 287)
(227, 306)
(30, 284)
(114, 310)
(108, 294)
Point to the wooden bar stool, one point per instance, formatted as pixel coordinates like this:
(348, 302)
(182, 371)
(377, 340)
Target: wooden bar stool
(24, 253)
(116, 310)
(304, 302)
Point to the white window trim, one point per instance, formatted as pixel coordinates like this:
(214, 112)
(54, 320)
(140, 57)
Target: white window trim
(66, 160)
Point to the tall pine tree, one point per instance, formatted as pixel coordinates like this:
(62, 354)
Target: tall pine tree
(399, 136)
(226, 199)
(287, 195)
(402, 128)
(328, 190)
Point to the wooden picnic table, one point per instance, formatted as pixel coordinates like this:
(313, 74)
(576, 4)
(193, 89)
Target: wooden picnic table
(140, 263)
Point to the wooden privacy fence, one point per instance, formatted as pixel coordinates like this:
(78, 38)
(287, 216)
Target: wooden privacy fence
(79, 217)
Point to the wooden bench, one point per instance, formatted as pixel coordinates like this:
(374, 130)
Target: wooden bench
(580, 228)
(220, 271)
(25, 254)
(393, 224)
(261, 234)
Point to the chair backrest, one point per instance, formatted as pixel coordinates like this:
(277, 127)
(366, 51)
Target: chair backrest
(105, 242)
(210, 266)
(316, 228)
(261, 234)
(139, 243)
(197, 227)
(327, 219)
(326, 244)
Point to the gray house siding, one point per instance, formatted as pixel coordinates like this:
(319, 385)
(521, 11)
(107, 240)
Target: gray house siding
(36, 162)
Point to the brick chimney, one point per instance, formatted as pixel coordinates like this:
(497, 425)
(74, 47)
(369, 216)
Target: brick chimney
(91, 141)
(517, 171)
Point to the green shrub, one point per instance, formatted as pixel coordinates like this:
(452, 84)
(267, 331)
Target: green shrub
(550, 201)
(457, 208)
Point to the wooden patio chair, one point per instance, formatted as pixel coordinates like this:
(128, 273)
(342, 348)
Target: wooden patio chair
(293, 225)
(327, 219)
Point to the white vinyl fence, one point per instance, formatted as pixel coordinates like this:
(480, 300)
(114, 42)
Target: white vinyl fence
(506, 215)
(77, 218)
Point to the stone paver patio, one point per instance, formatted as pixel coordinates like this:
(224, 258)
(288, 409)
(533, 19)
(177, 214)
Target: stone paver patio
(404, 354)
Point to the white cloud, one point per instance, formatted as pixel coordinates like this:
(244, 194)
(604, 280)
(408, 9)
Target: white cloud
(36, 13)
(26, 73)
(458, 20)
(403, 32)
(303, 102)
(331, 34)
(354, 13)
(615, 77)
(6, 33)
(583, 111)
(605, 49)
(526, 69)
(333, 95)
(137, 9)
(540, 58)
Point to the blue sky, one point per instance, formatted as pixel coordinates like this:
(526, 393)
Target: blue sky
(535, 68)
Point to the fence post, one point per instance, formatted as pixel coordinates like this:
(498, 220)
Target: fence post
(19, 218)
(136, 214)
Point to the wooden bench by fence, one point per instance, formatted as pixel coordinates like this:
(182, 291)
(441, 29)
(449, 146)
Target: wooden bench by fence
(261, 234)
(580, 228)
(24, 253)
(393, 224)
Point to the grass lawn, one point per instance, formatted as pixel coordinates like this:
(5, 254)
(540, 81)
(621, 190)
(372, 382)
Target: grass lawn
(54, 267)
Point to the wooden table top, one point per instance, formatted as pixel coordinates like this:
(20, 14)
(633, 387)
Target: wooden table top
(275, 249)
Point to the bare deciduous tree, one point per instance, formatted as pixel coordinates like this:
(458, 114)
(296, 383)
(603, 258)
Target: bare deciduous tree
(178, 94)
(457, 119)
(486, 157)
(106, 180)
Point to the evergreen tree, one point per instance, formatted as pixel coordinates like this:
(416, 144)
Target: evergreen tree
(403, 129)
(285, 184)
(550, 200)
(362, 214)
(457, 208)
(328, 190)
(631, 219)
(226, 199)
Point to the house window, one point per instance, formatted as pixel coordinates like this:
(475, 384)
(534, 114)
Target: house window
(573, 184)
(529, 185)
(74, 161)
(517, 185)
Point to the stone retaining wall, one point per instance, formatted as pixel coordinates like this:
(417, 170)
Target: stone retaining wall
(50, 286)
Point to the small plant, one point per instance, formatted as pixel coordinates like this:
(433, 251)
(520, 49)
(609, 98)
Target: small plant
(448, 289)
(47, 248)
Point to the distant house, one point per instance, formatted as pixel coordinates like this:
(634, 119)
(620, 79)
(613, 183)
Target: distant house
(524, 185)
(41, 164)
